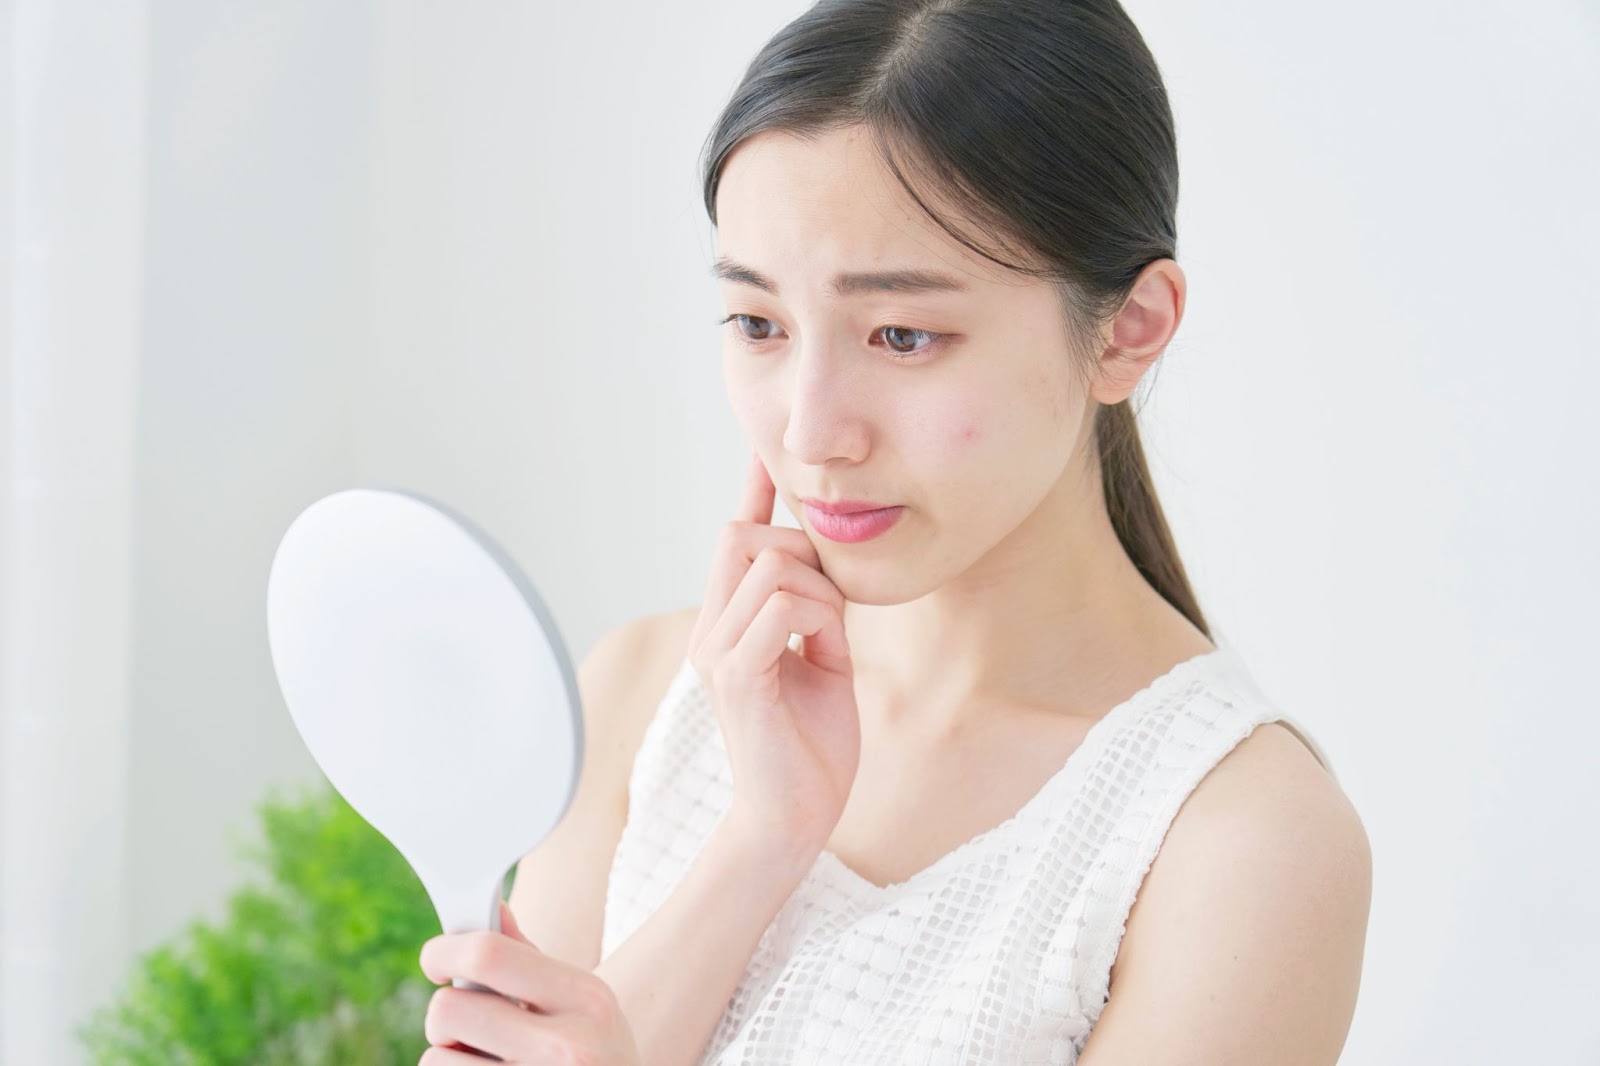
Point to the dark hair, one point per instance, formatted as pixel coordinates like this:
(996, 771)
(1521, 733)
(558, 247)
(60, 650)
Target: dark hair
(1044, 122)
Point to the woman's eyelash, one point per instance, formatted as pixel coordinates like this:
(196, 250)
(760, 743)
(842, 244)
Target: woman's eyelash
(894, 353)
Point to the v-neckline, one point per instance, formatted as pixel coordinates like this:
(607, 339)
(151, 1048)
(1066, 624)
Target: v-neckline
(1071, 770)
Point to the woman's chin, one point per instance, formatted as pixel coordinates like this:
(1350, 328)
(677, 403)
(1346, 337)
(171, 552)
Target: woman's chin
(883, 582)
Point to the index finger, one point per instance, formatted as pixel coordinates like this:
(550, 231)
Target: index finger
(759, 493)
(513, 969)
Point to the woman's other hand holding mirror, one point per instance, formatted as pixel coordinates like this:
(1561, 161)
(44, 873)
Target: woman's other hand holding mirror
(540, 1010)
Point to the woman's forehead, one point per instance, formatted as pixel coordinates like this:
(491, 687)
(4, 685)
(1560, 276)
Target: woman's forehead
(788, 199)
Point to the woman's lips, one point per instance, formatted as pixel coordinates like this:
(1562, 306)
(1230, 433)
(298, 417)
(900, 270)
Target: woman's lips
(844, 506)
(851, 528)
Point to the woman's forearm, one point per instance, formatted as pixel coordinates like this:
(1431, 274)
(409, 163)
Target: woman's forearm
(674, 976)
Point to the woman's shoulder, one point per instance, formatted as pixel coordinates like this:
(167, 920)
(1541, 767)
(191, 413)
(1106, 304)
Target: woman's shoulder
(1270, 850)
(1275, 780)
(625, 680)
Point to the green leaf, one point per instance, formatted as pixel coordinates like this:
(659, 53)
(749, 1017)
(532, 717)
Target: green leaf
(314, 962)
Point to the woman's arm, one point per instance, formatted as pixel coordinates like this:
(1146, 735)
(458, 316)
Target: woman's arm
(674, 976)
(1245, 943)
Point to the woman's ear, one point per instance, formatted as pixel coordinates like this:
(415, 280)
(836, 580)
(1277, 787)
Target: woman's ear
(1142, 329)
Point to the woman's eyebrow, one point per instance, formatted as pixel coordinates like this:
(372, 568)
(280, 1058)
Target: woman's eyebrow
(848, 284)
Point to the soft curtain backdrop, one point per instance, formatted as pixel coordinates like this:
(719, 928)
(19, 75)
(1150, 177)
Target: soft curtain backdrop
(72, 219)
(258, 252)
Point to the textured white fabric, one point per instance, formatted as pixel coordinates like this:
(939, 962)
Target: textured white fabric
(1000, 951)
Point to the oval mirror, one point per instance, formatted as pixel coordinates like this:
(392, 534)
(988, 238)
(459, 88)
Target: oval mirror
(431, 685)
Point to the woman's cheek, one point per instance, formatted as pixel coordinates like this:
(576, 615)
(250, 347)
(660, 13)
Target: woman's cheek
(958, 450)
(961, 434)
(749, 409)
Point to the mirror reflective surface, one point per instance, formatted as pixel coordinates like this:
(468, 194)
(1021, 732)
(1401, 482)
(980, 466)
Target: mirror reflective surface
(431, 685)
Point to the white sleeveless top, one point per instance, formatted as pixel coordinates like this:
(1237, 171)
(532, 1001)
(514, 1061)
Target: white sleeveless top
(999, 952)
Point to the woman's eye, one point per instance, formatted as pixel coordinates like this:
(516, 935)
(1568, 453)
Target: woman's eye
(742, 320)
(895, 337)
(895, 348)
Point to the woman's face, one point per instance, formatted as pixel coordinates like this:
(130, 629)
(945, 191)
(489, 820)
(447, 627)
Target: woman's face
(961, 406)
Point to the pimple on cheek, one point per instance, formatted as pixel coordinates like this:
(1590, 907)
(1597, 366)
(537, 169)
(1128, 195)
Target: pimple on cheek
(951, 433)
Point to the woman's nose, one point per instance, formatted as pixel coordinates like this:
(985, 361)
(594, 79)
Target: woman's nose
(824, 413)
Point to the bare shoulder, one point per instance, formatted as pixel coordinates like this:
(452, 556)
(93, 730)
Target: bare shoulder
(677, 625)
(623, 679)
(642, 660)
(1247, 936)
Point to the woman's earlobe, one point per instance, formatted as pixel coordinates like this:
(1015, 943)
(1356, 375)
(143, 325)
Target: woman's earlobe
(1120, 371)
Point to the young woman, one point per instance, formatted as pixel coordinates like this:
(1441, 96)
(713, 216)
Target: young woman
(919, 761)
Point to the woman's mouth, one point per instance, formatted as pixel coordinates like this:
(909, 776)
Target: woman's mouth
(851, 528)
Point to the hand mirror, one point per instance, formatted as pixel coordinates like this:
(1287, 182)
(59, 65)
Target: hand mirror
(431, 685)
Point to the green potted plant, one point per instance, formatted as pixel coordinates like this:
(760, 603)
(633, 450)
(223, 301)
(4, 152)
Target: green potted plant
(316, 965)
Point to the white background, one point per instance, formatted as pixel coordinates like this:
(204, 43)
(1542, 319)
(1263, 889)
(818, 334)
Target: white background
(263, 251)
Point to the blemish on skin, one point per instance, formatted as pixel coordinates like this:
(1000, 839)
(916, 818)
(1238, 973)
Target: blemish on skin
(969, 433)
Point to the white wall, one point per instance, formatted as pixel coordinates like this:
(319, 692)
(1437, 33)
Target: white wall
(461, 248)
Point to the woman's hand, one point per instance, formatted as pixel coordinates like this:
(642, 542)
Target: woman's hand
(556, 1012)
(788, 719)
